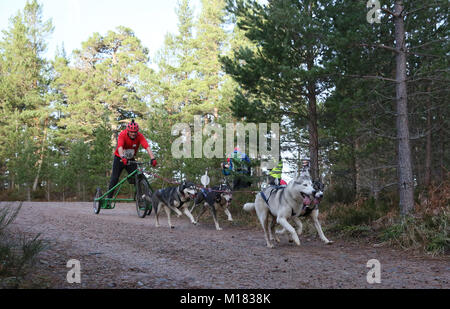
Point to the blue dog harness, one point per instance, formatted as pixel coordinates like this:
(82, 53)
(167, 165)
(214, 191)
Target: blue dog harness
(205, 191)
(274, 189)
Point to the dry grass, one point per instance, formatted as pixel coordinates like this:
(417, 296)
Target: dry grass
(428, 228)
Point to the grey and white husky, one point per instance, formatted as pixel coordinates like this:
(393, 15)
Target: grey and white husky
(277, 205)
(310, 209)
(174, 198)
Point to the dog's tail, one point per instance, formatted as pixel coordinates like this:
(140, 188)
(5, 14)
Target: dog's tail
(249, 206)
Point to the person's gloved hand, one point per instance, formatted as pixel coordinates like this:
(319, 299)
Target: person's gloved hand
(153, 162)
(124, 160)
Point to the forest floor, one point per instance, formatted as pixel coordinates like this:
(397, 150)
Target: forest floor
(116, 249)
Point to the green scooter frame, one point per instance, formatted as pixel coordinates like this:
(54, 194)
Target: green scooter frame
(142, 197)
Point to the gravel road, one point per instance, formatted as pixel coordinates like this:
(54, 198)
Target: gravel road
(116, 249)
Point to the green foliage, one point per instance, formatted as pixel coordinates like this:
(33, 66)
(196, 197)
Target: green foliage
(102, 84)
(23, 88)
(22, 158)
(361, 212)
(282, 77)
(99, 158)
(360, 114)
(17, 254)
(190, 82)
(356, 231)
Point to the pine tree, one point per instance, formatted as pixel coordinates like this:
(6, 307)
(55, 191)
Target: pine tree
(103, 82)
(364, 58)
(100, 158)
(190, 83)
(283, 78)
(24, 80)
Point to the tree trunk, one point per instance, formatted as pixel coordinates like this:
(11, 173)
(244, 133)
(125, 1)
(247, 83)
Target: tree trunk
(41, 159)
(428, 155)
(442, 169)
(357, 166)
(48, 190)
(313, 136)
(312, 124)
(79, 193)
(114, 129)
(28, 193)
(405, 177)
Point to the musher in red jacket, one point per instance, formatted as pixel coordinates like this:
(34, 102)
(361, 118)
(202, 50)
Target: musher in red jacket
(127, 146)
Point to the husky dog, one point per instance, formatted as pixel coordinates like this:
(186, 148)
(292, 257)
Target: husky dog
(218, 196)
(310, 209)
(174, 198)
(281, 203)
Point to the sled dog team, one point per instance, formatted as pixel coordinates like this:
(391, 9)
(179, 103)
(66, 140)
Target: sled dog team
(273, 205)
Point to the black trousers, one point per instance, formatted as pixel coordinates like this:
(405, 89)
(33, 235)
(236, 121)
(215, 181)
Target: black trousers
(241, 181)
(274, 181)
(118, 167)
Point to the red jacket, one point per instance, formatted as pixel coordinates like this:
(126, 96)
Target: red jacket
(130, 146)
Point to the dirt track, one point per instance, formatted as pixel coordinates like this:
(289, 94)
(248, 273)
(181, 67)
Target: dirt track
(117, 249)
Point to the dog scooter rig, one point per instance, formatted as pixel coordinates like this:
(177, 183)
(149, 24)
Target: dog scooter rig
(142, 196)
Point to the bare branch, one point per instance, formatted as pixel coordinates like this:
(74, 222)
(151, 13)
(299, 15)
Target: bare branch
(389, 12)
(427, 79)
(381, 46)
(422, 54)
(427, 43)
(424, 7)
(372, 77)
(425, 133)
(378, 168)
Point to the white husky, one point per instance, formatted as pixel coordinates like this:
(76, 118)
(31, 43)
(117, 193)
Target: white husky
(281, 204)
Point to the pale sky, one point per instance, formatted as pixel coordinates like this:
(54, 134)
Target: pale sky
(76, 20)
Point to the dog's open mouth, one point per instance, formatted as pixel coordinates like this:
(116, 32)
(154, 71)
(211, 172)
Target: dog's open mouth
(190, 195)
(306, 199)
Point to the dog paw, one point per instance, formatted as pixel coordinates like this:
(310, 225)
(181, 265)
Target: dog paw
(270, 246)
(330, 242)
(279, 231)
(172, 227)
(219, 229)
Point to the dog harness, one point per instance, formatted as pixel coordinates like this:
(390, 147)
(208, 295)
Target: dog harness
(205, 191)
(274, 189)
